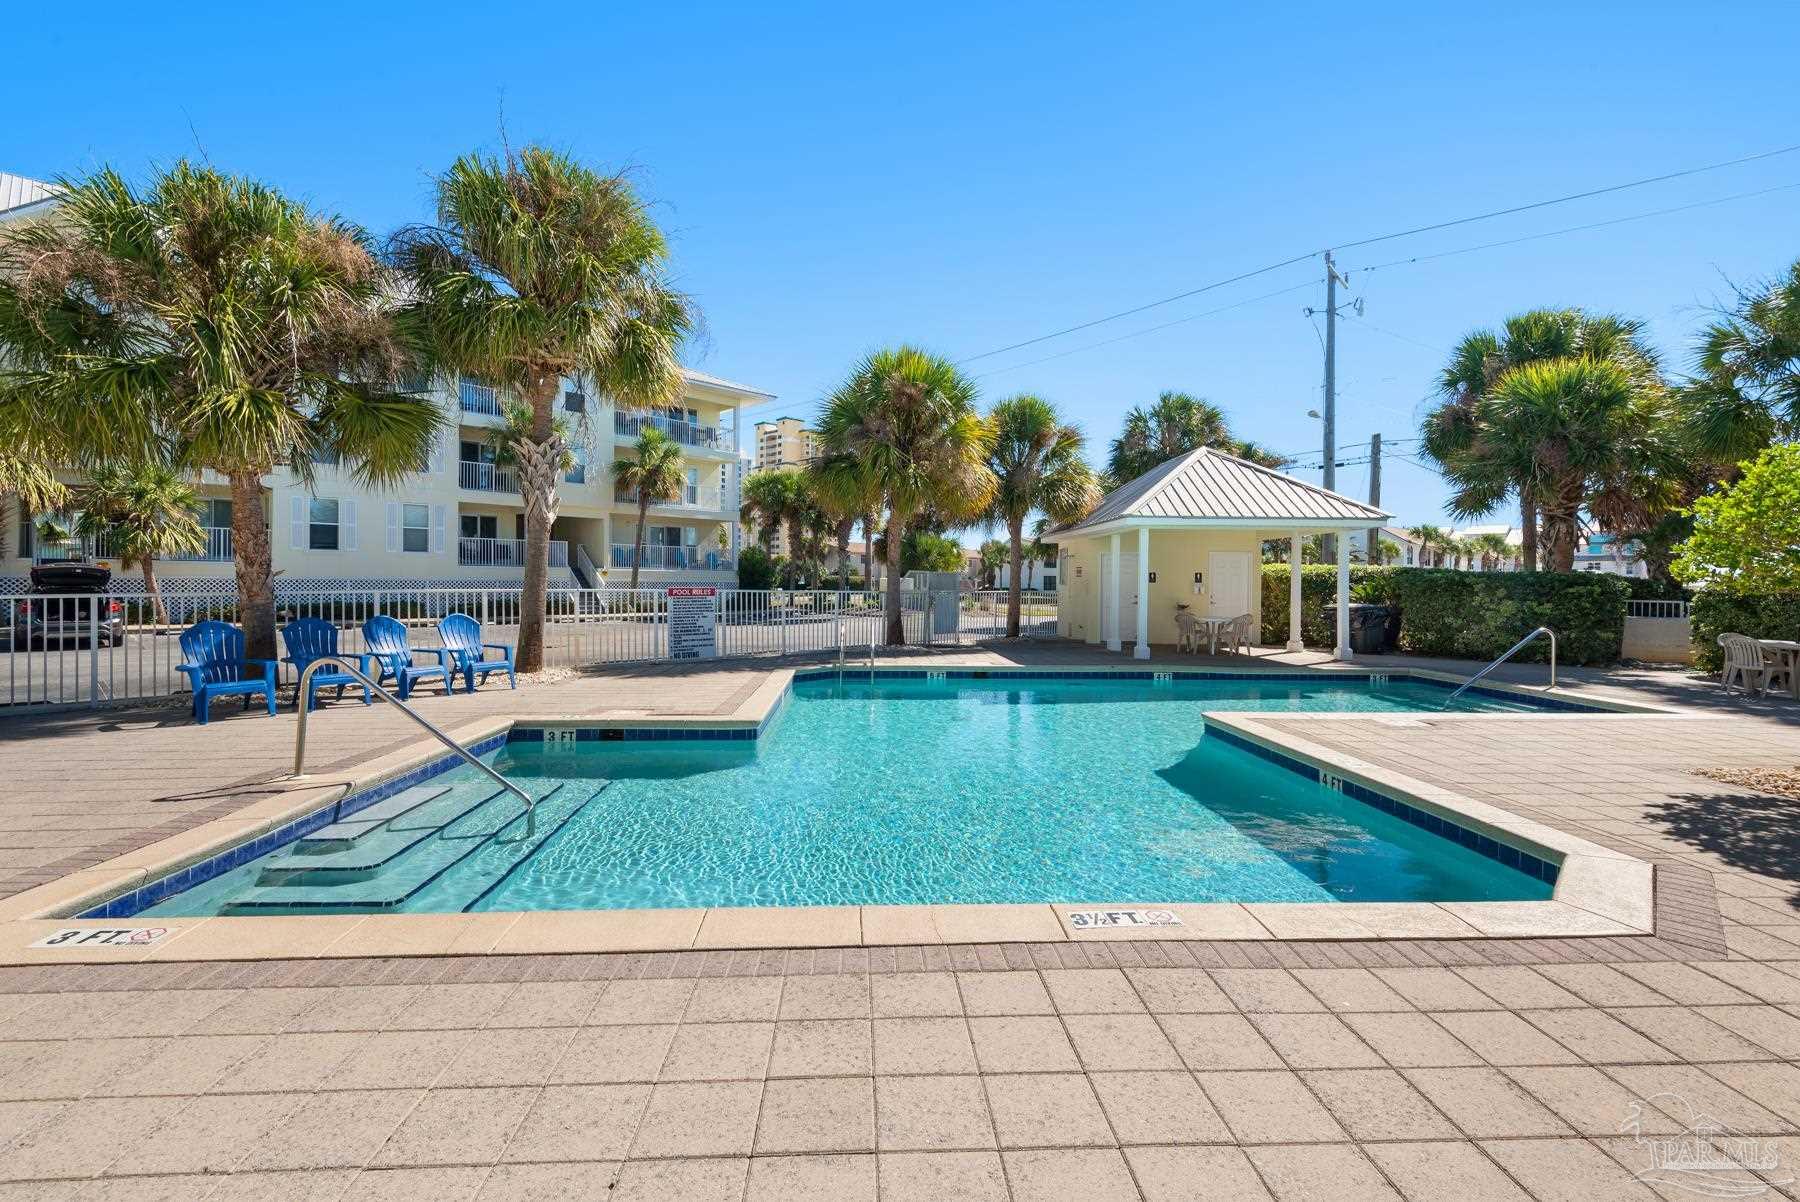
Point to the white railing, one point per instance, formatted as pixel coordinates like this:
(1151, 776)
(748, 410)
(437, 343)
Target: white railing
(983, 614)
(58, 651)
(688, 434)
(106, 546)
(1656, 609)
(692, 496)
(693, 559)
(505, 552)
(586, 567)
(479, 398)
(485, 477)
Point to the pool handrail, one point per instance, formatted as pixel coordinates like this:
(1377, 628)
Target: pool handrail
(363, 678)
(1508, 654)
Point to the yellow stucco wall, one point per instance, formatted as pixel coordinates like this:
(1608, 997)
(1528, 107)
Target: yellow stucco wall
(1175, 555)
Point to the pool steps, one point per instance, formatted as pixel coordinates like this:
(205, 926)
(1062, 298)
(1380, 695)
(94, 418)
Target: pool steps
(373, 848)
(343, 834)
(468, 833)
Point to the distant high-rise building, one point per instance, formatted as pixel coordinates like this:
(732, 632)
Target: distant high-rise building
(784, 444)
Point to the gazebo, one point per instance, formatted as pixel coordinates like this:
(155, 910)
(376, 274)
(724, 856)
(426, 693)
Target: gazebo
(1190, 532)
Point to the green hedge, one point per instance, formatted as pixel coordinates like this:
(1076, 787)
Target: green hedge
(1762, 616)
(1318, 590)
(1464, 615)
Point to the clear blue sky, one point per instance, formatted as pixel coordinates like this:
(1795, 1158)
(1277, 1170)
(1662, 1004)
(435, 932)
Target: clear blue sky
(836, 177)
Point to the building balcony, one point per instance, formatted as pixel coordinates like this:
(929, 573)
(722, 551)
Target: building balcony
(504, 553)
(697, 498)
(484, 400)
(693, 559)
(485, 477)
(627, 426)
(217, 549)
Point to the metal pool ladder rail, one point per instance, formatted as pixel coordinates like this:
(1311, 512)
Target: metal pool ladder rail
(1510, 652)
(358, 675)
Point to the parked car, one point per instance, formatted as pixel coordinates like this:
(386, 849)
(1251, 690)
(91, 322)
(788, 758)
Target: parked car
(61, 607)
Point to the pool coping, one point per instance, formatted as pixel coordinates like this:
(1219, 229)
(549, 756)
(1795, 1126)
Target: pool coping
(1598, 892)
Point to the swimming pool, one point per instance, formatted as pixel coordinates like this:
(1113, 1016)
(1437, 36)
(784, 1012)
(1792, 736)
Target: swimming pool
(891, 791)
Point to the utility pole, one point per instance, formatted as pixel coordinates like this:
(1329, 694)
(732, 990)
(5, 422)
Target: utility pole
(1374, 548)
(1330, 423)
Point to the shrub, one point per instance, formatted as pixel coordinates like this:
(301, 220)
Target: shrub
(1318, 590)
(1759, 615)
(1464, 615)
(756, 568)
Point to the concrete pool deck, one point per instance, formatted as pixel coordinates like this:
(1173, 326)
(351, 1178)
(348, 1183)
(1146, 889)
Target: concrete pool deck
(1354, 1067)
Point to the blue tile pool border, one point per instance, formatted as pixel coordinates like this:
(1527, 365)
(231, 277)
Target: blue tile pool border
(1445, 828)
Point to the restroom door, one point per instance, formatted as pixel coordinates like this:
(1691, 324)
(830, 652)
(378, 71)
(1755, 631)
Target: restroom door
(1228, 594)
(1128, 583)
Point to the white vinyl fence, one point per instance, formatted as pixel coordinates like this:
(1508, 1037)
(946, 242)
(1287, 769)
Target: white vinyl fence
(60, 651)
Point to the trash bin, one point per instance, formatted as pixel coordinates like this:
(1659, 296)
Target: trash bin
(1369, 627)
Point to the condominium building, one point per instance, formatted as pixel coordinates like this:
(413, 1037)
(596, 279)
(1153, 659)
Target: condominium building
(460, 521)
(785, 442)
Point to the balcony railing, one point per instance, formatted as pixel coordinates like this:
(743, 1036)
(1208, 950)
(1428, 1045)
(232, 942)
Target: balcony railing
(690, 558)
(505, 552)
(217, 549)
(485, 477)
(481, 398)
(693, 496)
(630, 425)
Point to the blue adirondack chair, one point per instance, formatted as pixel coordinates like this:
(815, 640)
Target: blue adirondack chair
(213, 655)
(309, 638)
(385, 647)
(461, 635)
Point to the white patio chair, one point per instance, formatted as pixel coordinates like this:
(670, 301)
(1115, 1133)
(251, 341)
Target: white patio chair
(1243, 629)
(1747, 665)
(1190, 632)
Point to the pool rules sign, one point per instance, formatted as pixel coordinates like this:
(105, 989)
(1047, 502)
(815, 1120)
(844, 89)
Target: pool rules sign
(693, 622)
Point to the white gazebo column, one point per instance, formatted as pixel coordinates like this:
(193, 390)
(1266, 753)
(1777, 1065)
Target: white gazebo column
(1343, 610)
(1112, 590)
(1143, 595)
(1295, 642)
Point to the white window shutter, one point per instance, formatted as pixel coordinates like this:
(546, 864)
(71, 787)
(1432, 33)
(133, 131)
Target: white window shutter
(437, 529)
(297, 526)
(393, 526)
(347, 525)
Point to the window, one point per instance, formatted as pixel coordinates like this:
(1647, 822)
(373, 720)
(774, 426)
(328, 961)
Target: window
(214, 513)
(575, 402)
(477, 452)
(480, 525)
(577, 474)
(415, 527)
(322, 526)
(693, 486)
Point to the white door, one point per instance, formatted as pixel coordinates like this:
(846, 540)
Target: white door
(1228, 583)
(1128, 583)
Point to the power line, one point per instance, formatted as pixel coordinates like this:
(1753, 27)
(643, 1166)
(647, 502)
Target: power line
(1576, 229)
(1140, 333)
(1439, 225)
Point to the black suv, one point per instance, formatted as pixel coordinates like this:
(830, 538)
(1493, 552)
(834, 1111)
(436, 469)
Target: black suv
(61, 607)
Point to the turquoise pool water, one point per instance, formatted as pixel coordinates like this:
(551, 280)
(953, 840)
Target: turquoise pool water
(902, 791)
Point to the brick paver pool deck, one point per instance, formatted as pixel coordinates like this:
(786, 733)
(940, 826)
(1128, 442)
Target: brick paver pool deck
(1424, 1069)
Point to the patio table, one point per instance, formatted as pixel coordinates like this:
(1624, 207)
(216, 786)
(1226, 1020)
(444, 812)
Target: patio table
(1213, 625)
(1787, 651)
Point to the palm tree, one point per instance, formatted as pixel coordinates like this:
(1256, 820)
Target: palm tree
(1492, 549)
(775, 500)
(1174, 425)
(1575, 433)
(1453, 434)
(1747, 393)
(541, 269)
(847, 495)
(1430, 539)
(211, 322)
(148, 512)
(655, 475)
(1036, 461)
(33, 484)
(907, 418)
(994, 554)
